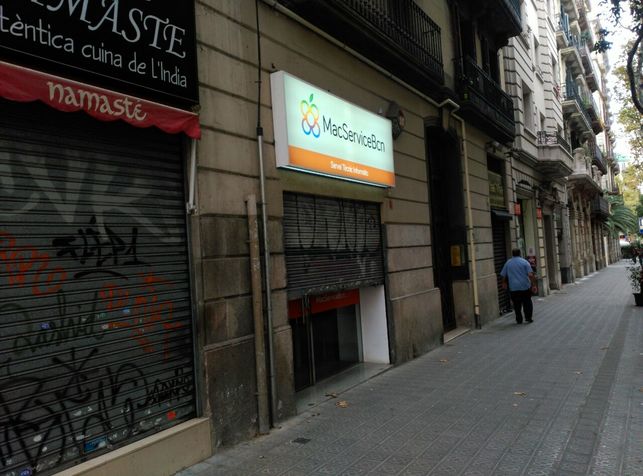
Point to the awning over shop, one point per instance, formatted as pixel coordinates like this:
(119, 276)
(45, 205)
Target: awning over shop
(501, 215)
(25, 85)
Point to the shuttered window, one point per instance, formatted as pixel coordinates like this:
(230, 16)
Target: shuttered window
(331, 244)
(95, 315)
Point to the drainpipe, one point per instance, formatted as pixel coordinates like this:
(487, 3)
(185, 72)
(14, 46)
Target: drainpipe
(447, 110)
(264, 224)
(257, 314)
(191, 206)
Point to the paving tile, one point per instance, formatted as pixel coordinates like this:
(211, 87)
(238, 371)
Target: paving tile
(555, 398)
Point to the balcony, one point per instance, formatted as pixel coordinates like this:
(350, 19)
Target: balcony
(570, 7)
(501, 18)
(600, 208)
(483, 101)
(588, 66)
(583, 177)
(595, 114)
(397, 35)
(554, 155)
(595, 152)
(574, 107)
(563, 34)
(571, 55)
(582, 14)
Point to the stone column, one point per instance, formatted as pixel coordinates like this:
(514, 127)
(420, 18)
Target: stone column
(576, 238)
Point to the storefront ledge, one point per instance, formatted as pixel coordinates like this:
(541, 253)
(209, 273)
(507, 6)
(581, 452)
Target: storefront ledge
(158, 455)
(455, 333)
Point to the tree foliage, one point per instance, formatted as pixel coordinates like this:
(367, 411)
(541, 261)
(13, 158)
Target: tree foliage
(628, 117)
(630, 186)
(634, 53)
(621, 219)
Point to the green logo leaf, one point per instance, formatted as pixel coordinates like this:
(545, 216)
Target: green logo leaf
(310, 99)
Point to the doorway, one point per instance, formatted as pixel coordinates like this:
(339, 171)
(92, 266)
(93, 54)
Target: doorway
(499, 236)
(448, 222)
(326, 335)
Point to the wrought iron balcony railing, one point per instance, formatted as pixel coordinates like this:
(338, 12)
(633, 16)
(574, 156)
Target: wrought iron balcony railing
(474, 81)
(406, 24)
(401, 26)
(595, 152)
(573, 93)
(553, 138)
(562, 20)
(600, 207)
(599, 159)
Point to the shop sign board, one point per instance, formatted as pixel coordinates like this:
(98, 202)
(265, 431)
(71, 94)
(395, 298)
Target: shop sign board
(496, 190)
(26, 85)
(320, 133)
(142, 48)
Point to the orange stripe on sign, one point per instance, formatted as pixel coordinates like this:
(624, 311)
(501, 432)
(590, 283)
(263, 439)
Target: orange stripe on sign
(333, 166)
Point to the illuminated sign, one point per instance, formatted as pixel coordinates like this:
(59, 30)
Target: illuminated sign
(320, 133)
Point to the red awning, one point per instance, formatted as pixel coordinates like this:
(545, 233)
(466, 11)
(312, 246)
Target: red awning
(25, 85)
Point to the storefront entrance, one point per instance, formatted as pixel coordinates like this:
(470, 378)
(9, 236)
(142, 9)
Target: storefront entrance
(325, 334)
(336, 306)
(96, 349)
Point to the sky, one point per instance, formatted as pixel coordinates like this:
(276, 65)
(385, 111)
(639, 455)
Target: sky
(619, 36)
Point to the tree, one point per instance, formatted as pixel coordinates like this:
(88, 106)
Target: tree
(630, 186)
(634, 54)
(631, 132)
(621, 219)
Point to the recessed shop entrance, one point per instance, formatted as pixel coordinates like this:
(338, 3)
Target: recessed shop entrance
(326, 335)
(336, 306)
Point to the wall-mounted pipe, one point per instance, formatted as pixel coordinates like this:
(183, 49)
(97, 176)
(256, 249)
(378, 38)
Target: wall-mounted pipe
(448, 109)
(190, 207)
(257, 314)
(264, 224)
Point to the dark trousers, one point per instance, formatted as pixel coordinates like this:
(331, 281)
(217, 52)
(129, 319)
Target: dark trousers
(522, 299)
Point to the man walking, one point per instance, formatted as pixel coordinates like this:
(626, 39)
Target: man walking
(518, 275)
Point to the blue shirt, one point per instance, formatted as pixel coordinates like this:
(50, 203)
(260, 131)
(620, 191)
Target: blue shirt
(517, 270)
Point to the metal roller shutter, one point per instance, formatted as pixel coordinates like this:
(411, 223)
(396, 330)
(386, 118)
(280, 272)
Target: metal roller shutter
(95, 311)
(331, 244)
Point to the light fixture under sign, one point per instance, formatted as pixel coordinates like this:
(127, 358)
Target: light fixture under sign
(396, 115)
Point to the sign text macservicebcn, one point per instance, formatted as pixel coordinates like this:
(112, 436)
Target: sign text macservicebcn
(346, 133)
(126, 45)
(320, 133)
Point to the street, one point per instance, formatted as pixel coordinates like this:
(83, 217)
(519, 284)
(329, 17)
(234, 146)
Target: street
(561, 396)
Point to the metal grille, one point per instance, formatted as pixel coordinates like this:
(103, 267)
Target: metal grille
(331, 244)
(95, 314)
(402, 24)
(476, 83)
(499, 259)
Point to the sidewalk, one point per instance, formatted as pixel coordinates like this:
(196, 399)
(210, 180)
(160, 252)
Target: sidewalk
(561, 396)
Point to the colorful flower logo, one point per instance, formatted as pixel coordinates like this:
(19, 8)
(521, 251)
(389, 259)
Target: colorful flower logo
(310, 117)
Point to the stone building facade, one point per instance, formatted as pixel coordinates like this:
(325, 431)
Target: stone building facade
(321, 186)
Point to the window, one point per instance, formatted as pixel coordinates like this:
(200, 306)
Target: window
(528, 107)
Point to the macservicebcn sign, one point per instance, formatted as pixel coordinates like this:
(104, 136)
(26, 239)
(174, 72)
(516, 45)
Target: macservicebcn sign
(145, 48)
(319, 133)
